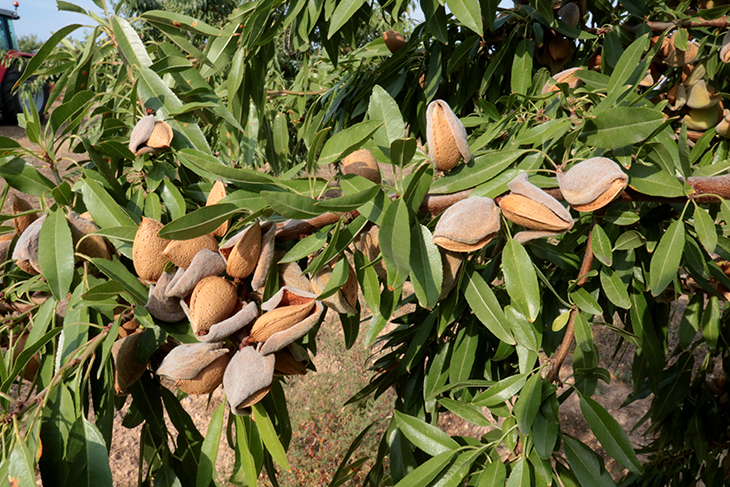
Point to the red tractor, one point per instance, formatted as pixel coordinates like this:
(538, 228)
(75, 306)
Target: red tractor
(11, 68)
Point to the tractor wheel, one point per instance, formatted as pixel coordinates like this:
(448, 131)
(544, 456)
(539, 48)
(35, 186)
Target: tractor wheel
(11, 102)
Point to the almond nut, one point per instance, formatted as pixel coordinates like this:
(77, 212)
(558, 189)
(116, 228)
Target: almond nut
(216, 194)
(147, 250)
(446, 136)
(182, 252)
(20, 223)
(467, 225)
(244, 252)
(393, 40)
(534, 209)
(213, 300)
(247, 379)
(363, 163)
(592, 184)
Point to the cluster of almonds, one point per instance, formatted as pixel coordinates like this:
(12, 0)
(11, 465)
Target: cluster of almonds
(471, 223)
(209, 288)
(28, 228)
(556, 49)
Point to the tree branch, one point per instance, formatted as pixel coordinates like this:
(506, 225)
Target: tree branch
(720, 23)
(706, 190)
(557, 362)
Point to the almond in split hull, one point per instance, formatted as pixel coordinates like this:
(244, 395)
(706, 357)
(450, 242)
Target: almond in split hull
(529, 206)
(207, 379)
(592, 184)
(213, 300)
(446, 136)
(182, 252)
(147, 250)
(525, 212)
(247, 379)
(363, 163)
(245, 253)
(467, 225)
(280, 319)
(286, 364)
(126, 368)
(20, 223)
(217, 193)
(83, 239)
(393, 40)
(287, 333)
(266, 256)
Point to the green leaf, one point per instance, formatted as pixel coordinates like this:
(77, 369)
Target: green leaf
(182, 22)
(601, 246)
(666, 258)
(521, 280)
(468, 12)
(614, 288)
(464, 353)
(621, 126)
(199, 222)
(583, 333)
(209, 450)
(402, 151)
(116, 271)
(425, 267)
(653, 181)
(270, 436)
(344, 11)
(348, 202)
(104, 210)
(428, 471)
(45, 51)
(628, 64)
(560, 321)
(522, 67)
(292, 205)
(520, 475)
(244, 450)
(173, 199)
(609, 432)
(58, 416)
(586, 302)
(20, 466)
(629, 240)
(586, 465)
(484, 303)
(476, 172)
(395, 244)
(87, 456)
(56, 254)
(705, 228)
(528, 403)
(306, 246)
(711, 323)
(384, 108)
(493, 474)
(425, 436)
(368, 279)
(24, 177)
(467, 412)
(337, 279)
(206, 165)
(347, 141)
(501, 391)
